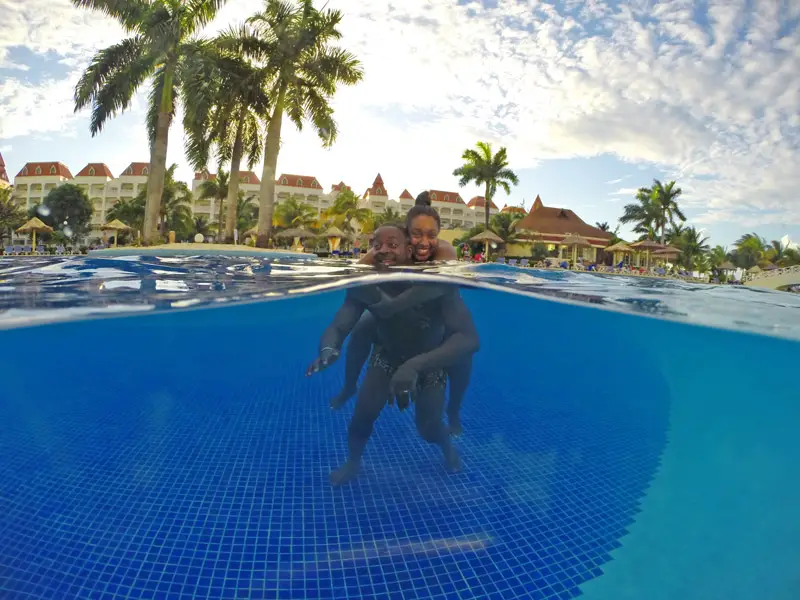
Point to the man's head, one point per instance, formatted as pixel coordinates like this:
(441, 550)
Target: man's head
(390, 246)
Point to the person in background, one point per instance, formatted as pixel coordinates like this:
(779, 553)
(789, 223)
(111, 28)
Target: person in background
(409, 354)
(356, 248)
(423, 224)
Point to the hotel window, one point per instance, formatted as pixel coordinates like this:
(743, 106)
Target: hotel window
(38, 170)
(128, 171)
(433, 196)
(25, 172)
(447, 198)
(145, 171)
(284, 181)
(91, 172)
(52, 170)
(315, 184)
(300, 182)
(245, 180)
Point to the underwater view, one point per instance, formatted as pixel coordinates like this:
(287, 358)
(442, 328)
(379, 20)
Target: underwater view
(168, 432)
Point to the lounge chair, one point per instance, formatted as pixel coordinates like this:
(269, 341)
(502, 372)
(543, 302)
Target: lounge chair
(512, 262)
(59, 250)
(27, 250)
(523, 262)
(500, 261)
(8, 250)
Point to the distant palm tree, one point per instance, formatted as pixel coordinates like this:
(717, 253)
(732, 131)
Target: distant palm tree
(130, 211)
(390, 215)
(217, 189)
(665, 198)
(200, 225)
(345, 209)
(246, 211)
(775, 251)
(604, 226)
(643, 214)
(293, 212)
(503, 225)
(693, 248)
(161, 46)
(750, 249)
(491, 170)
(675, 234)
(295, 43)
(717, 256)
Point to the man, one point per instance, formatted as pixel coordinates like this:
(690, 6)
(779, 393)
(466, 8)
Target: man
(408, 358)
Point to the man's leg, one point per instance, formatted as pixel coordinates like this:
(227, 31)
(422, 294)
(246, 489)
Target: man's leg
(371, 399)
(358, 349)
(459, 375)
(429, 412)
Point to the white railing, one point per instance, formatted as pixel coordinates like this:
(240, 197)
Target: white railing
(772, 273)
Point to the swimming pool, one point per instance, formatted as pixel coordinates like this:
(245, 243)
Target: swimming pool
(175, 450)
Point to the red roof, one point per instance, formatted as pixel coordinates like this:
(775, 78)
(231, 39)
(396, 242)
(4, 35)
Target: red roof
(406, 195)
(545, 221)
(301, 181)
(3, 173)
(136, 169)
(440, 196)
(45, 168)
(514, 209)
(100, 170)
(247, 177)
(480, 201)
(339, 187)
(377, 189)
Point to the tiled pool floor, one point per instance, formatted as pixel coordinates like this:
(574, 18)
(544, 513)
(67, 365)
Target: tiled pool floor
(196, 494)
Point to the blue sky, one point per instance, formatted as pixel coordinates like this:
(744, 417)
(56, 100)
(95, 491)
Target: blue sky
(592, 98)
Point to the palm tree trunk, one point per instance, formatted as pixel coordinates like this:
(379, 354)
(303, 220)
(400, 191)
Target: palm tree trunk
(155, 181)
(486, 198)
(267, 195)
(233, 180)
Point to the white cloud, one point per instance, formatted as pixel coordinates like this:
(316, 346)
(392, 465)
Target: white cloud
(641, 81)
(624, 192)
(620, 180)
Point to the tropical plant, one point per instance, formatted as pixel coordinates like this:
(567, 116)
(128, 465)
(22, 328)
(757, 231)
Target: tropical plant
(693, 247)
(490, 170)
(162, 46)
(246, 212)
(675, 233)
(11, 215)
(345, 209)
(229, 101)
(775, 251)
(216, 188)
(293, 212)
(604, 226)
(643, 215)
(749, 250)
(665, 198)
(66, 208)
(503, 225)
(200, 225)
(792, 257)
(294, 41)
(175, 213)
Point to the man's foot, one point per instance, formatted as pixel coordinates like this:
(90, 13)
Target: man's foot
(340, 400)
(347, 472)
(454, 424)
(452, 460)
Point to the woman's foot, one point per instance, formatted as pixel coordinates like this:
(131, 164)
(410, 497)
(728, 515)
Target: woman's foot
(347, 472)
(452, 460)
(340, 400)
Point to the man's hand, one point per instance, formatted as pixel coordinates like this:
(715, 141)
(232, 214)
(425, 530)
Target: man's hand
(326, 358)
(403, 385)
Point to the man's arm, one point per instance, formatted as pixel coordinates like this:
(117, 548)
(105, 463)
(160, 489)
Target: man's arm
(343, 323)
(462, 342)
(368, 258)
(417, 294)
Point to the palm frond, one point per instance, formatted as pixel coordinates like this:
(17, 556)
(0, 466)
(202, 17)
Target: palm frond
(129, 13)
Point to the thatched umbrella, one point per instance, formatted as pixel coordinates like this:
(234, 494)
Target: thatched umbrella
(334, 235)
(298, 233)
(728, 266)
(486, 237)
(668, 252)
(116, 226)
(754, 269)
(619, 248)
(575, 241)
(34, 226)
(646, 246)
(771, 267)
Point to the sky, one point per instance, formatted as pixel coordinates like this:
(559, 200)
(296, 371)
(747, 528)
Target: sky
(592, 98)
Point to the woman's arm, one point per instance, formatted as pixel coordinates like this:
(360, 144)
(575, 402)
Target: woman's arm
(445, 251)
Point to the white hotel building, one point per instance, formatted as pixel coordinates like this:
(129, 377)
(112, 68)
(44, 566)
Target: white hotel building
(35, 180)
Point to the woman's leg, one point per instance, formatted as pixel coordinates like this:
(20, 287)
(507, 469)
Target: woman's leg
(459, 375)
(429, 414)
(358, 348)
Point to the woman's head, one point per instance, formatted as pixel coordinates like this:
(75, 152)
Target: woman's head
(423, 225)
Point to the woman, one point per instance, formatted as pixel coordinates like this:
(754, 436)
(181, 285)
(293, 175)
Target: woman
(423, 225)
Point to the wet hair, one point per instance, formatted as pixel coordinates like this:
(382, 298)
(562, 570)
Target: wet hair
(400, 226)
(422, 207)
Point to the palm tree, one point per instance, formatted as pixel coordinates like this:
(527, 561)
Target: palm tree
(749, 251)
(345, 209)
(503, 225)
(217, 189)
(482, 167)
(293, 212)
(162, 46)
(229, 101)
(390, 215)
(717, 256)
(665, 200)
(246, 211)
(200, 225)
(174, 211)
(294, 41)
(675, 233)
(11, 215)
(604, 226)
(775, 251)
(693, 247)
(130, 211)
(792, 257)
(644, 214)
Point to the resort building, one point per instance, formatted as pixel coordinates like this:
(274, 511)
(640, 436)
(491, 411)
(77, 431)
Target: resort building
(4, 182)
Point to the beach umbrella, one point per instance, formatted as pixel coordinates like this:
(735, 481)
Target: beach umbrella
(755, 269)
(727, 266)
(116, 226)
(770, 267)
(34, 226)
(646, 246)
(619, 248)
(334, 235)
(575, 241)
(486, 237)
(298, 233)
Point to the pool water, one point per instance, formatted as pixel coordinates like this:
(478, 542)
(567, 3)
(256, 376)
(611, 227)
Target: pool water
(170, 447)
